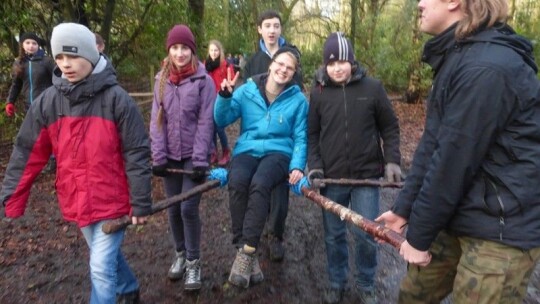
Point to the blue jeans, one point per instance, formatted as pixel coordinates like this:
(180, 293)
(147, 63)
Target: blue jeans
(362, 200)
(109, 272)
(220, 132)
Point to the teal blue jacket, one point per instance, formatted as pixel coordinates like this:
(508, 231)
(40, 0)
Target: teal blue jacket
(280, 127)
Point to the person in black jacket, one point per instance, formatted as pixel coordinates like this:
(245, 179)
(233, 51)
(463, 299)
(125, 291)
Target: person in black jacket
(471, 199)
(269, 27)
(32, 72)
(349, 114)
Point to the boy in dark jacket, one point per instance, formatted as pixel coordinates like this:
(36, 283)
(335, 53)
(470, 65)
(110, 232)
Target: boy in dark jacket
(349, 114)
(98, 136)
(471, 199)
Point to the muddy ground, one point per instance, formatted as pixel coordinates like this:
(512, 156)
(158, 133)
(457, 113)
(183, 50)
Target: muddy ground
(43, 259)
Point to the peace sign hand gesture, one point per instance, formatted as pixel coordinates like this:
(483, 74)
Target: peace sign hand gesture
(227, 85)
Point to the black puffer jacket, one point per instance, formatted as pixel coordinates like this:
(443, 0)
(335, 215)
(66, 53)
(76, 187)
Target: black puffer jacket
(476, 171)
(345, 125)
(37, 76)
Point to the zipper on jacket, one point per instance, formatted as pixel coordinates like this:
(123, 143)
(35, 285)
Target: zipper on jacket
(346, 127)
(31, 82)
(501, 211)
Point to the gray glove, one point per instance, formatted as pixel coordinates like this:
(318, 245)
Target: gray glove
(315, 174)
(392, 173)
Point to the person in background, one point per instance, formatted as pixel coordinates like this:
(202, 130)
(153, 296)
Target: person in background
(98, 136)
(270, 150)
(100, 43)
(360, 143)
(31, 72)
(269, 27)
(218, 67)
(181, 131)
(471, 198)
(31, 75)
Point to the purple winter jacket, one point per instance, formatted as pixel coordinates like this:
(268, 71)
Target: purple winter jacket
(188, 122)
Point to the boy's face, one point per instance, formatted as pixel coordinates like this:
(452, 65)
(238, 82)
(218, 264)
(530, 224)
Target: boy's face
(270, 30)
(180, 54)
(75, 68)
(30, 46)
(339, 71)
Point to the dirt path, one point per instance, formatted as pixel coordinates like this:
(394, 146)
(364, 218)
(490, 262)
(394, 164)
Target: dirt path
(44, 259)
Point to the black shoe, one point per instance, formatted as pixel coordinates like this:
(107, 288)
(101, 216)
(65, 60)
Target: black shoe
(128, 298)
(333, 295)
(277, 251)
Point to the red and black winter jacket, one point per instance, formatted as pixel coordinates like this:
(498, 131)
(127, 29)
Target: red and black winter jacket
(99, 140)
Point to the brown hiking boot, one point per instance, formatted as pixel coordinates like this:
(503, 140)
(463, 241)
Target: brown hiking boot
(242, 268)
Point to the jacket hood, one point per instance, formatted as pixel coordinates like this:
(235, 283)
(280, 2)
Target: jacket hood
(281, 42)
(503, 34)
(322, 78)
(436, 48)
(102, 77)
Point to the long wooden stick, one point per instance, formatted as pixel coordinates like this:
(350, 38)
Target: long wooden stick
(120, 223)
(373, 228)
(321, 183)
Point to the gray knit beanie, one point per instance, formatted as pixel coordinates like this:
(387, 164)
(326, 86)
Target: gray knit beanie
(76, 40)
(337, 47)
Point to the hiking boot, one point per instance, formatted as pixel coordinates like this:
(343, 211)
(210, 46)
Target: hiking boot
(333, 295)
(277, 251)
(193, 275)
(178, 266)
(213, 158)
(256, 273)
(366, 296)
(225, 158)
(242, 267)
(128, 298)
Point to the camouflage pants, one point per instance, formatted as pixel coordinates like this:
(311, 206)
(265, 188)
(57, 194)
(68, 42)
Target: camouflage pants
(477, 271)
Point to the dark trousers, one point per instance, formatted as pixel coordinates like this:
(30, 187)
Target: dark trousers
(184, 217)
(251, 181)
(279, 208)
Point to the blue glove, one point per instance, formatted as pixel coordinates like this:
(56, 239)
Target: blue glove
(297, 188)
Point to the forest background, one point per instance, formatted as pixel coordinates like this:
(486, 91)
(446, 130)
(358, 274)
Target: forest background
(384, 33)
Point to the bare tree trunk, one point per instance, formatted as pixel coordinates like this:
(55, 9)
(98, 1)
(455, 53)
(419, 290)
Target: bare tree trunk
(196, 17)
(107, 23)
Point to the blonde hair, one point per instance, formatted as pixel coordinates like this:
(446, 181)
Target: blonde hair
(164, 75)
(479, 13)
(220, 48)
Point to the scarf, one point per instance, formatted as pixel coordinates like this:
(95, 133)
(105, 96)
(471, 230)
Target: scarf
(177, 75)
(211, 64)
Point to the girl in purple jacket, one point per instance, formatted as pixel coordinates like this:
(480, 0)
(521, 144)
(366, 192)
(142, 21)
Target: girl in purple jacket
(181, 130)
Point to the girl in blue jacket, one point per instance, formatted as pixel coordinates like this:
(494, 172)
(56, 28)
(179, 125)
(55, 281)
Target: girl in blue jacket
(271, 148)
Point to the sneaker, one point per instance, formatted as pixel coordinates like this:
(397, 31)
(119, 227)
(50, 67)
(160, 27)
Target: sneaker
(178, 266)
(241, 268)
(225, 158)
(256, 273)
(366, 296)
(277, 251)
(128, 298)
(193, 275)
(333, 295)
